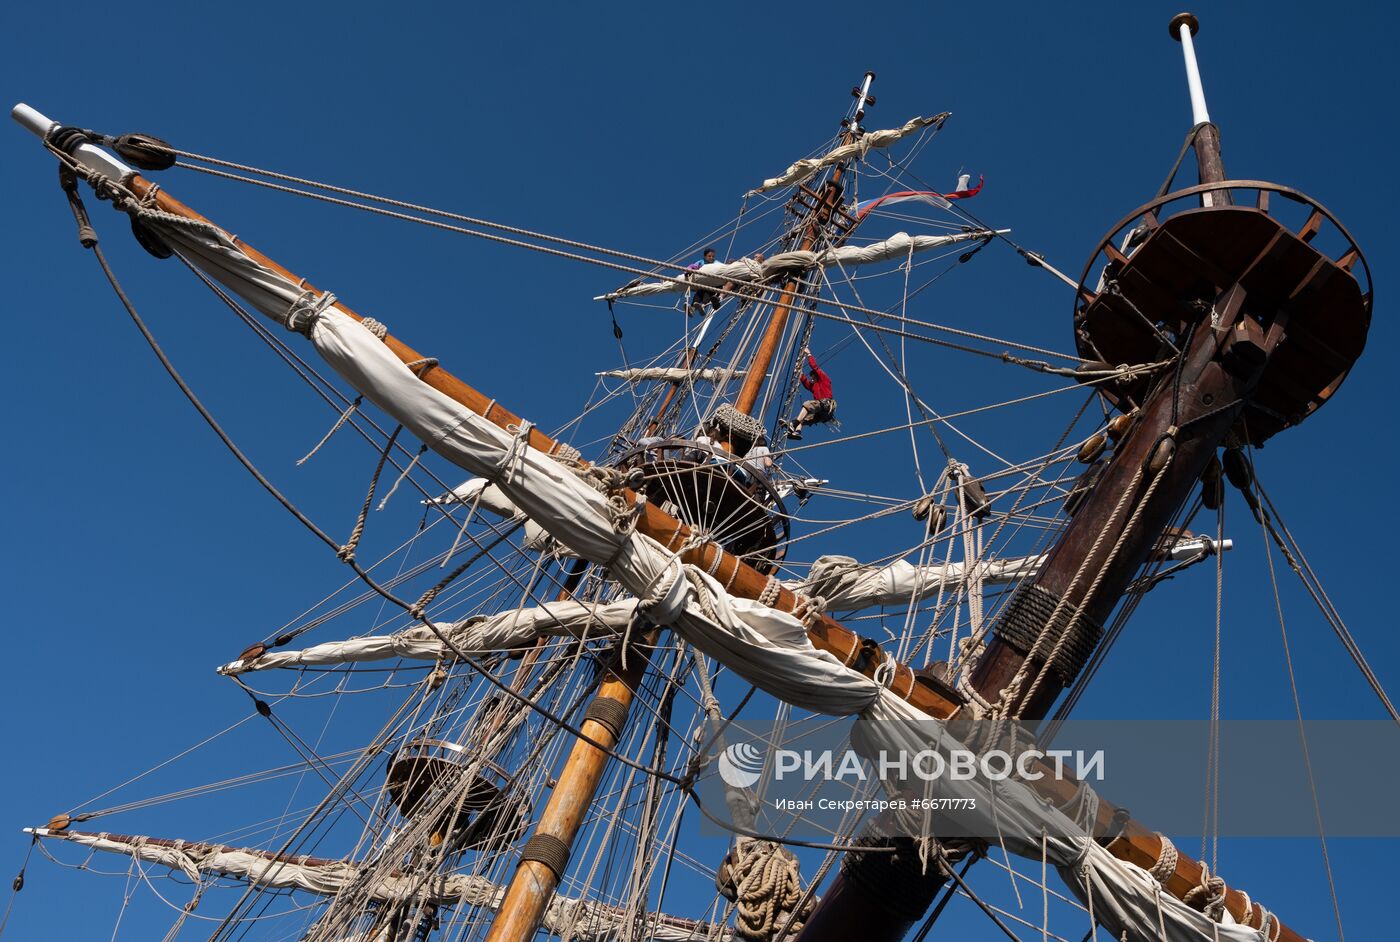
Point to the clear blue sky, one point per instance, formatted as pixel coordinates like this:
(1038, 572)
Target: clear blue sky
(138, 555)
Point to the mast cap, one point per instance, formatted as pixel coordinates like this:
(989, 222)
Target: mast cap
(1186, 19)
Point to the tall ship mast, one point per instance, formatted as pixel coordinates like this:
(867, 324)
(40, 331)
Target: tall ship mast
(548, 666)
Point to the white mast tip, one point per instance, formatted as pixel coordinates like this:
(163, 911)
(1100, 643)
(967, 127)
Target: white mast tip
(32, 120)
(1183, 19)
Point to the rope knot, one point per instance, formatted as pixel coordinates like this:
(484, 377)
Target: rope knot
(665, 600)
(306, 310)
(611, 483)
(566, 454)
(772, 589)
(510, 461)
(1211, 891)
(102, 186)
(809, 609)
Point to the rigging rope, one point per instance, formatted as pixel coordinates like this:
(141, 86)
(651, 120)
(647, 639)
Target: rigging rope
(1302, 730)
(583, 246)
(1293, 555)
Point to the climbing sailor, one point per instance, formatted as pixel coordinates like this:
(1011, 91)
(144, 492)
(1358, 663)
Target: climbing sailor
(821, 407)
(702, 298)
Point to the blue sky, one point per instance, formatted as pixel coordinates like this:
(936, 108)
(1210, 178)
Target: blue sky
(139, 555)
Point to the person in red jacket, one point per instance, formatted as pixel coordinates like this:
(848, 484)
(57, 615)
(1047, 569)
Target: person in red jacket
(821, 407)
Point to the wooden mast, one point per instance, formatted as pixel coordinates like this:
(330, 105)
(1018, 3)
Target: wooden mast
(812, 234)
(545, 856)
(1180, 425)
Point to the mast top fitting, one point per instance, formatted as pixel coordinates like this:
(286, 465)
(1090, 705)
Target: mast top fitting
(1180, 20)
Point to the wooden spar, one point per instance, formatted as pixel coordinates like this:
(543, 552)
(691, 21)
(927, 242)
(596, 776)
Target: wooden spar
(1138, 844)
(545, 857)
(527, 897)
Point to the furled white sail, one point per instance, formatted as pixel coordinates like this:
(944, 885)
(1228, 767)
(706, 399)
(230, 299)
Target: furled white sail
(482, 494)
(583, 920)
(505, 631)
(804, 170)
(849, 586)
(768, 648)
(673, 374)
(718, 274)
(322, 877)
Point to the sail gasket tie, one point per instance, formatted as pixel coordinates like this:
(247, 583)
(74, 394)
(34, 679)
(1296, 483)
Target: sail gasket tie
(609, 713)
(515, 452)
(548, 850)
(772, 589)
(566, 453)
(306, 310)
(1165, 867)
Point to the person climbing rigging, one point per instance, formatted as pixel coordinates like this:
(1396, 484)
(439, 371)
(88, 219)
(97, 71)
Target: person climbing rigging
(701, 297)
(821, 407)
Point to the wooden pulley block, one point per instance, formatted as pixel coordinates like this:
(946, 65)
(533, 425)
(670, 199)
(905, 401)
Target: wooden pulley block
(1093, 449)
(1120, 424)
(1238, 470)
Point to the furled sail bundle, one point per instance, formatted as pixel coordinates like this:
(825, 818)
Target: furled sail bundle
(1126, 899)
(844, 584)
(718, 274)
(848, 585)
(483, 495)
(804, 170)
(480, 634)
(673, 374)
(583, 920)
(261, 868)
